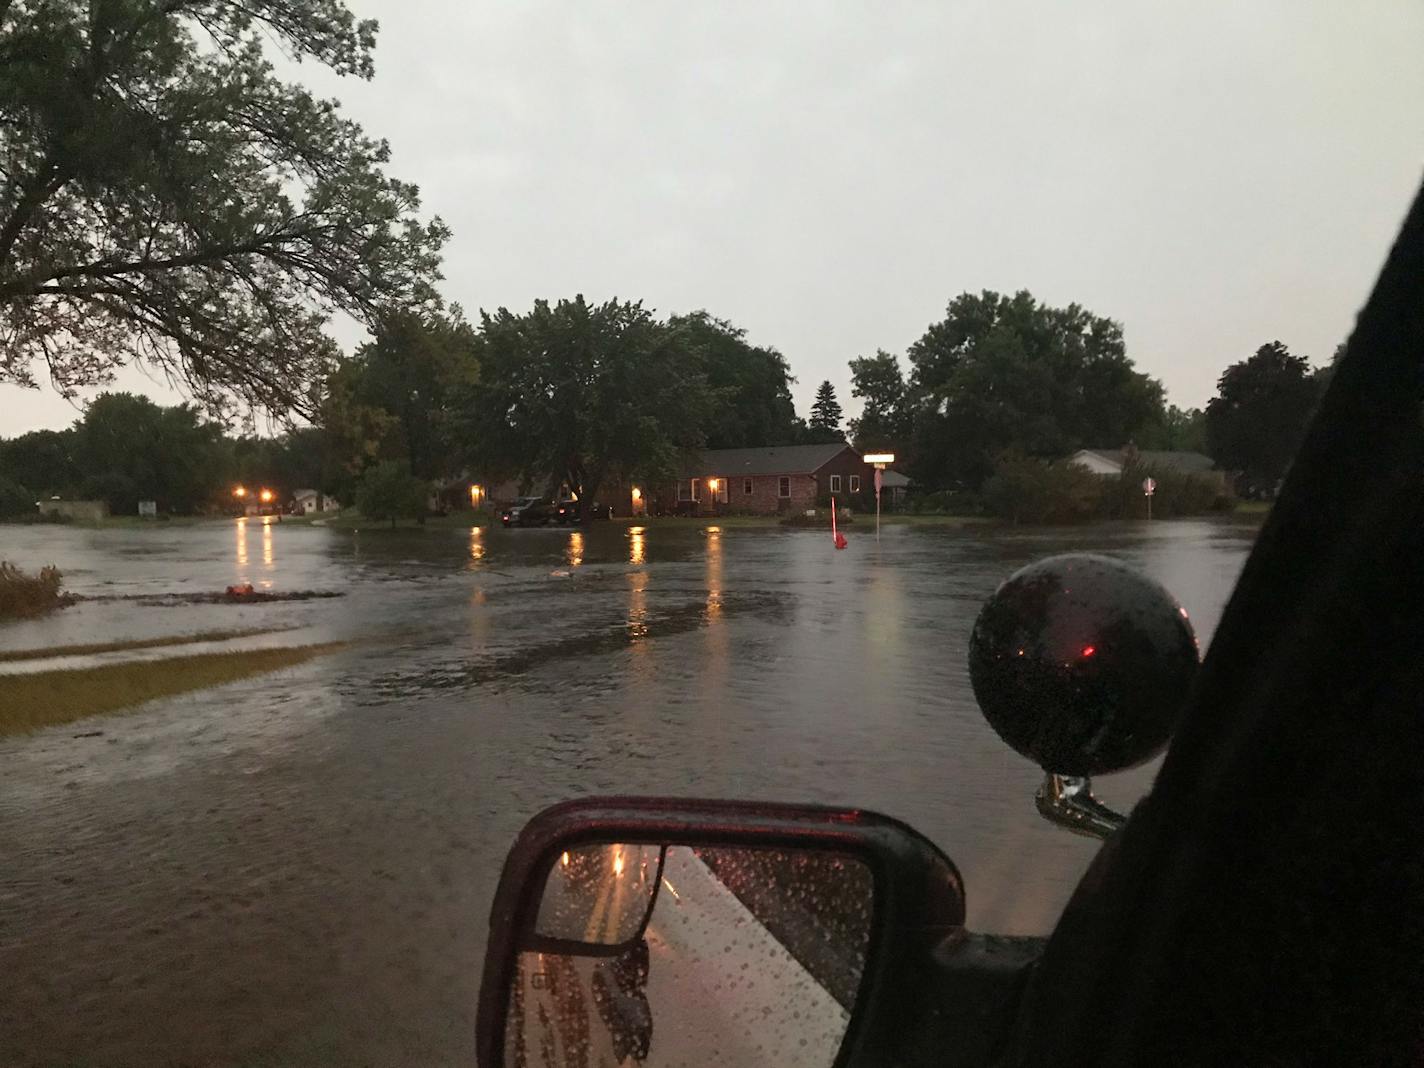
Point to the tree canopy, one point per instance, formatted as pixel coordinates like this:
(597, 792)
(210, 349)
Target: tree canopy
(393, 399)
(165, 198)
(749, 386)
(885, 416)
(1002, 372)
(578, 394)
(1259, 416)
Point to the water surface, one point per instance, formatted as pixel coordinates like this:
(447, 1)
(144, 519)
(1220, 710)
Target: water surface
(298, 868)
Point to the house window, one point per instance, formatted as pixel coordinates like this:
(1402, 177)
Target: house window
(747, 486)
(835, 483)
(687, 491)
(855, 483)
(783, 486)
(724, 488)
(695, 486)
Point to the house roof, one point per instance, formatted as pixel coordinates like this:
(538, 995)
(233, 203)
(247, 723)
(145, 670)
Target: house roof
(1190, 462)
(1183, 461)
(894, 480)
(776, 460)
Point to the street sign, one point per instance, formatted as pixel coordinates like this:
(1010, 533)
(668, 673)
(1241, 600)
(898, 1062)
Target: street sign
(1149, 485)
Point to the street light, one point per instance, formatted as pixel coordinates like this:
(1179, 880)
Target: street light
(240, 491)
(265, 496)
(878, 460)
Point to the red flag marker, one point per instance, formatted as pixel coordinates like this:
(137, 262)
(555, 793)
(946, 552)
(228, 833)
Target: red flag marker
(837, 538)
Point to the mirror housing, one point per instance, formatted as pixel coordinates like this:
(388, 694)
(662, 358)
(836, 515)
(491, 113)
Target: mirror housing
(1082, 664)
(918, 899)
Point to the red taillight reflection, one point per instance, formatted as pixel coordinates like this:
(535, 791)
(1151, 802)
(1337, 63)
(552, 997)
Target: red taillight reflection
(1089, 650)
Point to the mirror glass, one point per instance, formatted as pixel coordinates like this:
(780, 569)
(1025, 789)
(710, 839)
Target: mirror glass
(682, 955)
(599, 894)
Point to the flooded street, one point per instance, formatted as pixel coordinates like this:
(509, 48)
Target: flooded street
(298, 868)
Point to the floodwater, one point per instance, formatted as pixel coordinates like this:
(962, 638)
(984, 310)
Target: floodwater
(298, 868)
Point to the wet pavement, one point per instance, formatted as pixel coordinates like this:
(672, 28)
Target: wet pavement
(298, 868)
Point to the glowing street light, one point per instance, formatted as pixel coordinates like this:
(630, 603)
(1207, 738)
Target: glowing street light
(265, 496)
(240, 492)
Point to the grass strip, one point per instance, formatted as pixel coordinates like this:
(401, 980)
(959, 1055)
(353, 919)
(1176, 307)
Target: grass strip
(45, 698)
(9, 655)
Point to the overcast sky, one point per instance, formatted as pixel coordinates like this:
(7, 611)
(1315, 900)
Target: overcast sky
(1214, 175)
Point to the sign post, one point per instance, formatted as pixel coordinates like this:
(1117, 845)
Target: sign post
(878, 460)
(1149, 487)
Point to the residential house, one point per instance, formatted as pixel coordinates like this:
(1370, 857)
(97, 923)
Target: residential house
(310, 501)
(1112, 461)
(766, 481)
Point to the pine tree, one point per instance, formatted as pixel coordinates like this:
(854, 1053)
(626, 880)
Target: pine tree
(825, 424)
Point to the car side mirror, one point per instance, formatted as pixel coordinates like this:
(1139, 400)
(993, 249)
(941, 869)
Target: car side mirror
(668, 932)
(1082, 664)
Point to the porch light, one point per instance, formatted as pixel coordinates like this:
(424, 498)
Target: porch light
(637, 494)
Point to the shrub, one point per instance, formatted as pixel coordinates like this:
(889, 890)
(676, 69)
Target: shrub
(15, 500)
(390, 491)
(1178, 493)
(23, 596)
(947, 502)
(1025, 490)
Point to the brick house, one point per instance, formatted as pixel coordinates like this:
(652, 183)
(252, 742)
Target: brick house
(782, 479)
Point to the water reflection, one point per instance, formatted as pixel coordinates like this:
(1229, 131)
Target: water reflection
(574, 553)
(477, 544)
(635, 545)
(242, 543)
(267, 562)
(714, 573)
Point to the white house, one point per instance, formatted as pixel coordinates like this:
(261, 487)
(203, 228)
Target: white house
(1112, 461)
(309, 501)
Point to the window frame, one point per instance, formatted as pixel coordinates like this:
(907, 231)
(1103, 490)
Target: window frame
(783, 481)
(853, 484)
(834, 482)
(747, 488)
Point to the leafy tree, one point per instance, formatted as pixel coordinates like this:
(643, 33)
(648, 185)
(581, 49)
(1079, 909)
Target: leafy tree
(42, 460)
(390, 491)
(1002, 372)
(579, 394)
(1259, 416)
(129, 449)
(749, 386)
(392, 399)
(878, 382)
(1180, 430)
(165, 198)
(825, 422)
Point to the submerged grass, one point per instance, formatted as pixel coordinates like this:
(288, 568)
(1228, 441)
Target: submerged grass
(45, 698)
(10, 655)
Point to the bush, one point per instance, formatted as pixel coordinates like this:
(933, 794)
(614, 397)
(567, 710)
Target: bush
(24, 596)
(1178, 493)
(15, 500)
(947, 502)
(390, 491)
(1025, 490)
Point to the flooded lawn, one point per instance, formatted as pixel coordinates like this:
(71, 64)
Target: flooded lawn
(298, 867)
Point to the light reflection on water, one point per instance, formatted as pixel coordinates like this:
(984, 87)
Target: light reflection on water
(314, 854)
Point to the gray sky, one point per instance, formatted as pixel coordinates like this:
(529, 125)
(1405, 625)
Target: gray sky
(827, 175)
